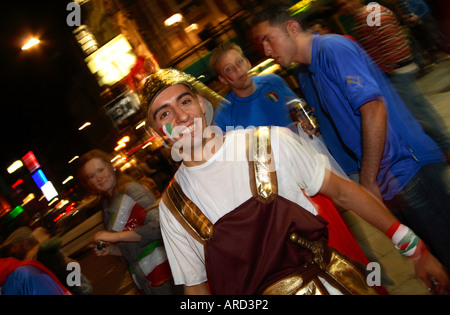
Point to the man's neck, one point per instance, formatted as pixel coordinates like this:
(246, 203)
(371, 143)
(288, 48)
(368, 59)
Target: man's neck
(305, 44)
(203, 153)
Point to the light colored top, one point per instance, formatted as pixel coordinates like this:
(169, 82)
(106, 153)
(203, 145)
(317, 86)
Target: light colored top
(222, 184)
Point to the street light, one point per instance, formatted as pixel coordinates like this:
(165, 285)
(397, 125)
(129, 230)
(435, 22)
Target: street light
(32, 42)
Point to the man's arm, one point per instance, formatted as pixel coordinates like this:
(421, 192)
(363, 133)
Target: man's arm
(373, 134)
(199, 289)
(353, 197)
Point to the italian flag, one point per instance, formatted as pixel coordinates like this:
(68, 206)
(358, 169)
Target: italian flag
(153, 262)
(129, 216)
(272, 96)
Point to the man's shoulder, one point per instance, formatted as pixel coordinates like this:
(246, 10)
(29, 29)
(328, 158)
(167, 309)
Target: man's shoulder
(336, 47)
(333, 41)
(270, 78)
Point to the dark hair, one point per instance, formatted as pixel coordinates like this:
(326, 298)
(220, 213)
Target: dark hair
(275, 14)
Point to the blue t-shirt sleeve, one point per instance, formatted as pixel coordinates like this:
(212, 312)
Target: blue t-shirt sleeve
(29, 280)
(351, 69)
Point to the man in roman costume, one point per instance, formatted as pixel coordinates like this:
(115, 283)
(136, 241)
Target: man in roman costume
(237, 217)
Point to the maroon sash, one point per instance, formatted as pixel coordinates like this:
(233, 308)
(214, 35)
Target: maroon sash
(245, 256)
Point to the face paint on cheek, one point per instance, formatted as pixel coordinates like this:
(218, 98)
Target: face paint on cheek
(167, 131)
(229, 79)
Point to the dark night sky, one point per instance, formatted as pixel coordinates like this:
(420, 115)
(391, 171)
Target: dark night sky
(35, 83)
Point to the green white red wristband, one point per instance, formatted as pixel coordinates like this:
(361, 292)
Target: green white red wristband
(405, 240)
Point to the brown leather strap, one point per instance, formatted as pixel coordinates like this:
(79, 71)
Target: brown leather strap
(187, 213)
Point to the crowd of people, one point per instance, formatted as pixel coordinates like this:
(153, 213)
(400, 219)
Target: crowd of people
(256, 204)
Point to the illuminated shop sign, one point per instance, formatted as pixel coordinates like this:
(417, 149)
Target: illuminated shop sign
(111, 62)
(122, 107)
(49, 191)
(39, 178)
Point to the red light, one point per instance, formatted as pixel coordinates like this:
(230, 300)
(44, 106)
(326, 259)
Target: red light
(70, 208)
(30, 161)
(17, 184)
(59, 217)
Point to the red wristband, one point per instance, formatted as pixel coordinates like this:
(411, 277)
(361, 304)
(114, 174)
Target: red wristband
(391, 231)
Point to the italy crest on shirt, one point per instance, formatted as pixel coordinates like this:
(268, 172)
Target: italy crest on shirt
(272, 96)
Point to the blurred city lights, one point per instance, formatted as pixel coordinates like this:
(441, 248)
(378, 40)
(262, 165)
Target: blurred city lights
(121, 145)
(67, 180)
(15, 166)
(86, 124)
(53, 201)
(28, 199)
(191, 27)
(174, 19)
(124, 139)
(142, 124)
(17, 183)
(32, 42)
(74, 158)
(49, 191)
(30, 161)
(39, 178)
(116, 158)
(146, 145)
(15, 212)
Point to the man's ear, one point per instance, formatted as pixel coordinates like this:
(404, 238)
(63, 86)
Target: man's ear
(293, 27)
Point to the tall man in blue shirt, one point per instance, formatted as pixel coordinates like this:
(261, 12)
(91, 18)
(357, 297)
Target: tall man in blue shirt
(398, 162)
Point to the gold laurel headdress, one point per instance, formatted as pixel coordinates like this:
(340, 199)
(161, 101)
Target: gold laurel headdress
(162, 79)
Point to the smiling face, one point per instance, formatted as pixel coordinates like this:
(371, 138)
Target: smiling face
(178, 113)
(100, 175)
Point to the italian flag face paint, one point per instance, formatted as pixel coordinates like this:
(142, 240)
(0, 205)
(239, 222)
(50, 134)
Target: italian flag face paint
(229, 79)
(167, 131)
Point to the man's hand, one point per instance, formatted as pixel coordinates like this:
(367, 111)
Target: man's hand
(430, 271)
(309, 130)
